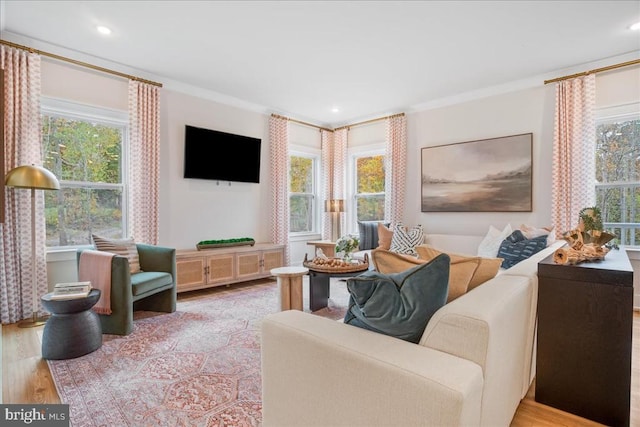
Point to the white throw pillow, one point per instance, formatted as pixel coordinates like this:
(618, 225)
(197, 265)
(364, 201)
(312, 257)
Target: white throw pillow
(490, 245)
(531, 232)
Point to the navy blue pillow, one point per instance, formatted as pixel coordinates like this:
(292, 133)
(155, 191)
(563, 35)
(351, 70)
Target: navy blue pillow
(368, 234)
(516, 248)
(400, 304)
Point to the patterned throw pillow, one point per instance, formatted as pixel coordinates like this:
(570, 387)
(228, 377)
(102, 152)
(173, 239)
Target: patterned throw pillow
(516, 248)
(405, 239)
(399, 305)
(123, 247)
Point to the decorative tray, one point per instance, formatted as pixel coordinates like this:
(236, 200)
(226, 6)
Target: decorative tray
(336, 265)
(212, 244)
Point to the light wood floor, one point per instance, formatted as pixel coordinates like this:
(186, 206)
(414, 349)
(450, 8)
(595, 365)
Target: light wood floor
(26, 379)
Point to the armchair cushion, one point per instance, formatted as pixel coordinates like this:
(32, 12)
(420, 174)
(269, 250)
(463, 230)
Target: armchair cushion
(146, 281)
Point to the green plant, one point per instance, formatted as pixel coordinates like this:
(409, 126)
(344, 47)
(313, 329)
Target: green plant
(591, 218)
(347, 244)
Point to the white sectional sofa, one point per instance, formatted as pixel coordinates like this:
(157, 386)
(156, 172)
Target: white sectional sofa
(473, 365)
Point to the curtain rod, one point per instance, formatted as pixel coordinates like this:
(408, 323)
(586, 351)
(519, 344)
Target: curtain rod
(370, 121)
(596, 70)
(82, 64)
(300, 122)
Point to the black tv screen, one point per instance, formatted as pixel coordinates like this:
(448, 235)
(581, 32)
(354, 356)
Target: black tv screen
(215, 155)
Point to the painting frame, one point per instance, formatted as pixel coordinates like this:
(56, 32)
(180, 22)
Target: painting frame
(484, 175)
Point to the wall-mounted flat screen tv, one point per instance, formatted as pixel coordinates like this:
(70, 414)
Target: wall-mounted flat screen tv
(221, 156)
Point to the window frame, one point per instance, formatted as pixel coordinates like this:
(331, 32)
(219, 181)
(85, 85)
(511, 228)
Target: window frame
(110, 117)
(611, 114)
(315, 155)
(353, 155)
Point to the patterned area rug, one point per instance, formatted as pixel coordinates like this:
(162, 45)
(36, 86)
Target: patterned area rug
(199, 366)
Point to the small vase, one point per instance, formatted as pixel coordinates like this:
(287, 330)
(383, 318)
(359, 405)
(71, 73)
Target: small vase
(347, 257)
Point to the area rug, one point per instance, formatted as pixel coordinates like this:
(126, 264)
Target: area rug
(199, 366)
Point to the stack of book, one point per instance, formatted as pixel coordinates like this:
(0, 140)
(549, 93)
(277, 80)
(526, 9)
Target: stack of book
(71, 290)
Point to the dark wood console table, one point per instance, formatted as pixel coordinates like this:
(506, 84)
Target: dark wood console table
(585, 326)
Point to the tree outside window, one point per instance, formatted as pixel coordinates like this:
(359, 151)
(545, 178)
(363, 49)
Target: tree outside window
(86, 156)
(369, 195)
(618, 177)
(301, 194)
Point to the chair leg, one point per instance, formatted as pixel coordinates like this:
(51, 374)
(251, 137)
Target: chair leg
(162, 302)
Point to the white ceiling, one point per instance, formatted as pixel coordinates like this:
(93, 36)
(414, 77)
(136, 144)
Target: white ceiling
(301, 58)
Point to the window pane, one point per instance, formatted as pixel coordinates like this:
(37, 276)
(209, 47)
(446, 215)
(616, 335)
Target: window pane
(77, 150)
(618, 178)
(73, 214)
(301, 213)
(370, 208)
(301, 175)
(370, 174)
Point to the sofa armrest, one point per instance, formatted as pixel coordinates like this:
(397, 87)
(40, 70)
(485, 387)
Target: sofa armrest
(320, 372)
(157, 258)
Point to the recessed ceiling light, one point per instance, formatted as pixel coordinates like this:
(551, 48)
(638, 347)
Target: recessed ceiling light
(635, 26)
(103, 30)
(335, 110)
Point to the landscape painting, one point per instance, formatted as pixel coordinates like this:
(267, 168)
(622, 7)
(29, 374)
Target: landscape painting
(489, 175)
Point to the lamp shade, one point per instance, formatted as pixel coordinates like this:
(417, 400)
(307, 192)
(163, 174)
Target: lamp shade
(31, 176)
(334, 205)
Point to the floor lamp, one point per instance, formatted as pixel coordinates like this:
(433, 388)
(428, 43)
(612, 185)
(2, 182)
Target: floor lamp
(34, 178)
(335, 206)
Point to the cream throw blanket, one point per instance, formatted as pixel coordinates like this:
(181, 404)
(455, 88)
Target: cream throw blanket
(95, 267)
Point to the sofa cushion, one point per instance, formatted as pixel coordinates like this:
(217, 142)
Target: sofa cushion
(461, 270)
(368, 232)
(516, 248)
(123, 247)
(487, 267)
(405, 239)
(490, 245)
(385, 235)
(401, 304)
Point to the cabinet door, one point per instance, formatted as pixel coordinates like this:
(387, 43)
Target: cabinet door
(272, 259)
(249, 265)
(190, 272)
(220, 269)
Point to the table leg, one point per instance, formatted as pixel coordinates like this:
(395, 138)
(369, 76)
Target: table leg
(284, 285)
(296, 293)
(318, 290)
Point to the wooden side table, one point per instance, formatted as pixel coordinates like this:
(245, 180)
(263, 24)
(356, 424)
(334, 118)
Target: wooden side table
(73, 329)
(585, 321)
(290, 286)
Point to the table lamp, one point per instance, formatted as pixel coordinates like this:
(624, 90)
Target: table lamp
(34, 178)
(335, 206)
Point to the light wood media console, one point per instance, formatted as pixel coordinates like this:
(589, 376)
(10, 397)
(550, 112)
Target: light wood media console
(224, 266)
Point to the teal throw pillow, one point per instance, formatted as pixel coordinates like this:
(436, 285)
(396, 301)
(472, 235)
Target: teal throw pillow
(516, 248)
(400, 304)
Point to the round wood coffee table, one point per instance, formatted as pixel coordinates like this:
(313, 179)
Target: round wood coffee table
(73, 329)
(290, 286)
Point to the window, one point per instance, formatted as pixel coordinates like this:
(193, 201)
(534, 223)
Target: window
(369, 184)
(302, 193)
(618, 174)
(83, 146)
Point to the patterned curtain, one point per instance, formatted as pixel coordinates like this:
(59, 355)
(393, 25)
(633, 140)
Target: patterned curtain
(395, 168)
(144, 161)
(340, 142)
(326, 138)
(573, 151)
(279, 157)
(22, 133)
